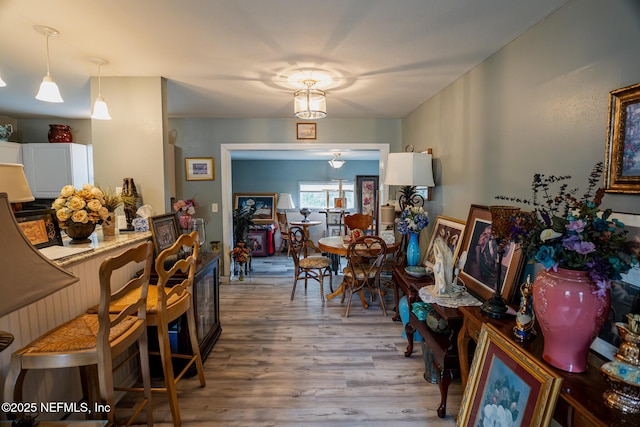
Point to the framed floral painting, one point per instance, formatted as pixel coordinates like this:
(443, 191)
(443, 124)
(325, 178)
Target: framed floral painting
(264, 203)
(367, 194)
(506, 386)
(622, 156)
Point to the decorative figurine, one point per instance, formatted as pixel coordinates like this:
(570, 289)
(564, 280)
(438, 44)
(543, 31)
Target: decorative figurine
(525, 317)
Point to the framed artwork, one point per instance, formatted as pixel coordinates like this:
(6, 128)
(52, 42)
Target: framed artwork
(199, 168)
(164, 230)
(258, 243)
(479, 273)
(622, 156)
(264, 203)
(367, 194)
(505, 381)
(625, 294)
(305, 130)
(448, 230)
(40, 227)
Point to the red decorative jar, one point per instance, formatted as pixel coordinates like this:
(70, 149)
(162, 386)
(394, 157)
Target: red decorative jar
(570, 316)
(60, 133)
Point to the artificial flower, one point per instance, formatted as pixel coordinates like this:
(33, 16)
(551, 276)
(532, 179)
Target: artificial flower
(413, 220)
(80, 206)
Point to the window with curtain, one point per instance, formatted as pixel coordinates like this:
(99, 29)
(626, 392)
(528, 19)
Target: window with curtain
(321, 194)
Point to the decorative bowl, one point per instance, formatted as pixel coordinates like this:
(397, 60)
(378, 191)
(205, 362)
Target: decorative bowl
(416, 271)
(624, 381)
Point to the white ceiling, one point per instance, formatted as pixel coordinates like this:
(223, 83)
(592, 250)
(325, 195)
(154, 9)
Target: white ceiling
(234, 58)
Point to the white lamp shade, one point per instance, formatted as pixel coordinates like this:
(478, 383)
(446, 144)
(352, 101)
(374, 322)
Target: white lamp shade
(49, 91)
(14, 182)
(285, 201)
(2, 83)
(409, 169)
(310, 103)
(100, 110)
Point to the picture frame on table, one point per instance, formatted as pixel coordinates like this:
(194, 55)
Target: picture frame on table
(199, 169)
(622, 155)
(306, 130)
(451, 231)
(164, 230)
(625, 293)
(505, 380)
(367, 194)
(265, 205)
(479, 273)
(40, 227)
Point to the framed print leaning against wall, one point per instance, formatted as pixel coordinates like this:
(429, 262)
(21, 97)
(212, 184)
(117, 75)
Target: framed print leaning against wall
(264, 203)
(450, 231)
(40, 227)
(367, 194)
(622, 156)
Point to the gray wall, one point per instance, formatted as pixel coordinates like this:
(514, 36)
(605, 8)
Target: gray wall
(538, 105)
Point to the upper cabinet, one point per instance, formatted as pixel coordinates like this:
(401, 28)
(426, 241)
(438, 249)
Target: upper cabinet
(49, 167)
(10, 152)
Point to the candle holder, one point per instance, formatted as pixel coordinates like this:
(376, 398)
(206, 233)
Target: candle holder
(496, 306)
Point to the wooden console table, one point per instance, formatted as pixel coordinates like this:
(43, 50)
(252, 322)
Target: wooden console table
(580, 403)
(444, 346)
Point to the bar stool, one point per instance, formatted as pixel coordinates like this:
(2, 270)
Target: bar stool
(92, 341)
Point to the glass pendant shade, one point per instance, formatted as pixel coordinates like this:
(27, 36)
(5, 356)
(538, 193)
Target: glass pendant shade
(310, 103)
(336, 162)
(2, 83)
(100, 110)
(49, 91)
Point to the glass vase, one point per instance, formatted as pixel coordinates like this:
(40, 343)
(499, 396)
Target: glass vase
(413, 250)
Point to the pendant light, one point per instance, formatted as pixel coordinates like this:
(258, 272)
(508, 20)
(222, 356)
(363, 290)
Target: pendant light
(49, 91)
(336, 162)
(2, 83)
(309, 102)
(100, 110)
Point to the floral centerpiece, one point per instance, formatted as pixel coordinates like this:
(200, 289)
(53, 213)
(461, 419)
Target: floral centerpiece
(240, 255)
(186, 208)
(85, 206)
(413, 220)
(563, 231)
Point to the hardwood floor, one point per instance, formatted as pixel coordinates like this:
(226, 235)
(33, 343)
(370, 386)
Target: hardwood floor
(296, 363)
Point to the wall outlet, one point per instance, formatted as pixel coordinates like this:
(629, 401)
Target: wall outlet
(214, 207)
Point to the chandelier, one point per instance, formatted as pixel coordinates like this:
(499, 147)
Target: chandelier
(336, 162)
(310, 102)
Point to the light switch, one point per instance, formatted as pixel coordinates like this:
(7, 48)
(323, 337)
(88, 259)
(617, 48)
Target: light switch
(214, 207)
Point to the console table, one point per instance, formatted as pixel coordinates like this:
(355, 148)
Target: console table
(580, 403)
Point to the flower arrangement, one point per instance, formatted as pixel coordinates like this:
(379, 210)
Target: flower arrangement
(563, 231)
(413, 220)
(240, 255)
(80, 206)
(187, 206)
(113, 200)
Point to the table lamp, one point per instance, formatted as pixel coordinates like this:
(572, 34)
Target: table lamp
(14, 182)
(410, 170)
(285, 202)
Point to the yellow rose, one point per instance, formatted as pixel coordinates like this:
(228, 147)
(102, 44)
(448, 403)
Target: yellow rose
(58, 203)
(87, 187)
(62, 215)
(97, 193)
(94, 205)
(67, 190)
(76, 203)
(80, 216)
(104, 213)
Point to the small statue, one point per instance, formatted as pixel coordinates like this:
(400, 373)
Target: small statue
(525, 317)
(438, 272)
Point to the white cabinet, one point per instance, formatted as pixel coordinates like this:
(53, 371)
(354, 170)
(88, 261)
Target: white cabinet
(49, 167)
(10, 152)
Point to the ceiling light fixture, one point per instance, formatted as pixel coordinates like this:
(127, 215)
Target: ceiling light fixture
(100, 109)
(336, 162)
(2, 83)
(49, 91)
(310, 102)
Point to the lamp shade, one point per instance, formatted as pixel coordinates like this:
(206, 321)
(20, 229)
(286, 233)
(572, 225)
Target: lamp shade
(409, 169)
(310, 102)
(14, 182)
(285, 201)
(49, 91)
(100, 110)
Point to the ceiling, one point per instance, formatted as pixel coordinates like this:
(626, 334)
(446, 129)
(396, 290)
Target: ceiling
(244, 58)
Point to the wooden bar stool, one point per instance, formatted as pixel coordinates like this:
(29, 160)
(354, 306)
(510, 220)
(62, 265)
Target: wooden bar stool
(92, 341)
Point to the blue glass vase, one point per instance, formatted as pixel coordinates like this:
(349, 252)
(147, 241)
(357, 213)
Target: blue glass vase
(413, 250)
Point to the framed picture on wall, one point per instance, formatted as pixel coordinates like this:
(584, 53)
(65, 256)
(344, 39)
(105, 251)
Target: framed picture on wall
(199, 168)
(40, 227)
(305, 130)
(367, 194)
(264, 203)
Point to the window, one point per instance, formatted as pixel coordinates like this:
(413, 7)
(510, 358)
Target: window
(320, 194)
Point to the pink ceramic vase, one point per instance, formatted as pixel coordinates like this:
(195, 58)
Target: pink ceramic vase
(184, 221)
(570, 316)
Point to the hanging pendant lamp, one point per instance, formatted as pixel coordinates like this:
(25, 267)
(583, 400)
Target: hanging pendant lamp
(49, 91)
(336, 162)
(100, 109)
(310, 102)
(2, 83)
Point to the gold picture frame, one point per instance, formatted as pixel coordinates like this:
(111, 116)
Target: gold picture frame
(264, 203)
(306, 130)
(527, 388)
(622, 155)
(199, 168)
(449, 229)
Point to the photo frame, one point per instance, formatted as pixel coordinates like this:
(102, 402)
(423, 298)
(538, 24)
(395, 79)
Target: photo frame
(40, 227)
(622, 155)
(367, 195)
(528, 389)
(625, 293)
(164, 230)
(451, 231)
(258, 245)
(199, 168)
(265, 204)
(305, 130)
(479, 272)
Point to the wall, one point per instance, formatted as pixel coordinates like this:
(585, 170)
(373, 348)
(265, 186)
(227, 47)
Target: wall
(538, 105)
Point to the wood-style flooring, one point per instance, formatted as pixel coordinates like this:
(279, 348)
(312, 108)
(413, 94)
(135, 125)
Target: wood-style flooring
(299, 363)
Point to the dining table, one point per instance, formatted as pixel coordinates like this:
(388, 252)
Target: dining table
(337, 247)
(305, 227)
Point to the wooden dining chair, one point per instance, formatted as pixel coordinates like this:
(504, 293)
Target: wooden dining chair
(92, 341)
(283, 225)
(358, 221)
(365, 257)
(313, 267)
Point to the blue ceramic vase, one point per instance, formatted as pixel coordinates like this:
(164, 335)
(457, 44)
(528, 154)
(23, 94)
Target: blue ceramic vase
(413, 250)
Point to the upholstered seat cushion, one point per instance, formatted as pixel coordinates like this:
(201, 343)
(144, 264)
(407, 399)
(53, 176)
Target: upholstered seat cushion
(315, 262)
(360, 271)
(76, 335)
(152, 301)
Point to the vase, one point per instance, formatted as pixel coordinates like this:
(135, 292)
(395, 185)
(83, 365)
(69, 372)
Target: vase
(241, 273)
(570, 316)
(413, 250)
(79, 232)
(60, 133)
(129, 189)
(184, 221)
(109, 225)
